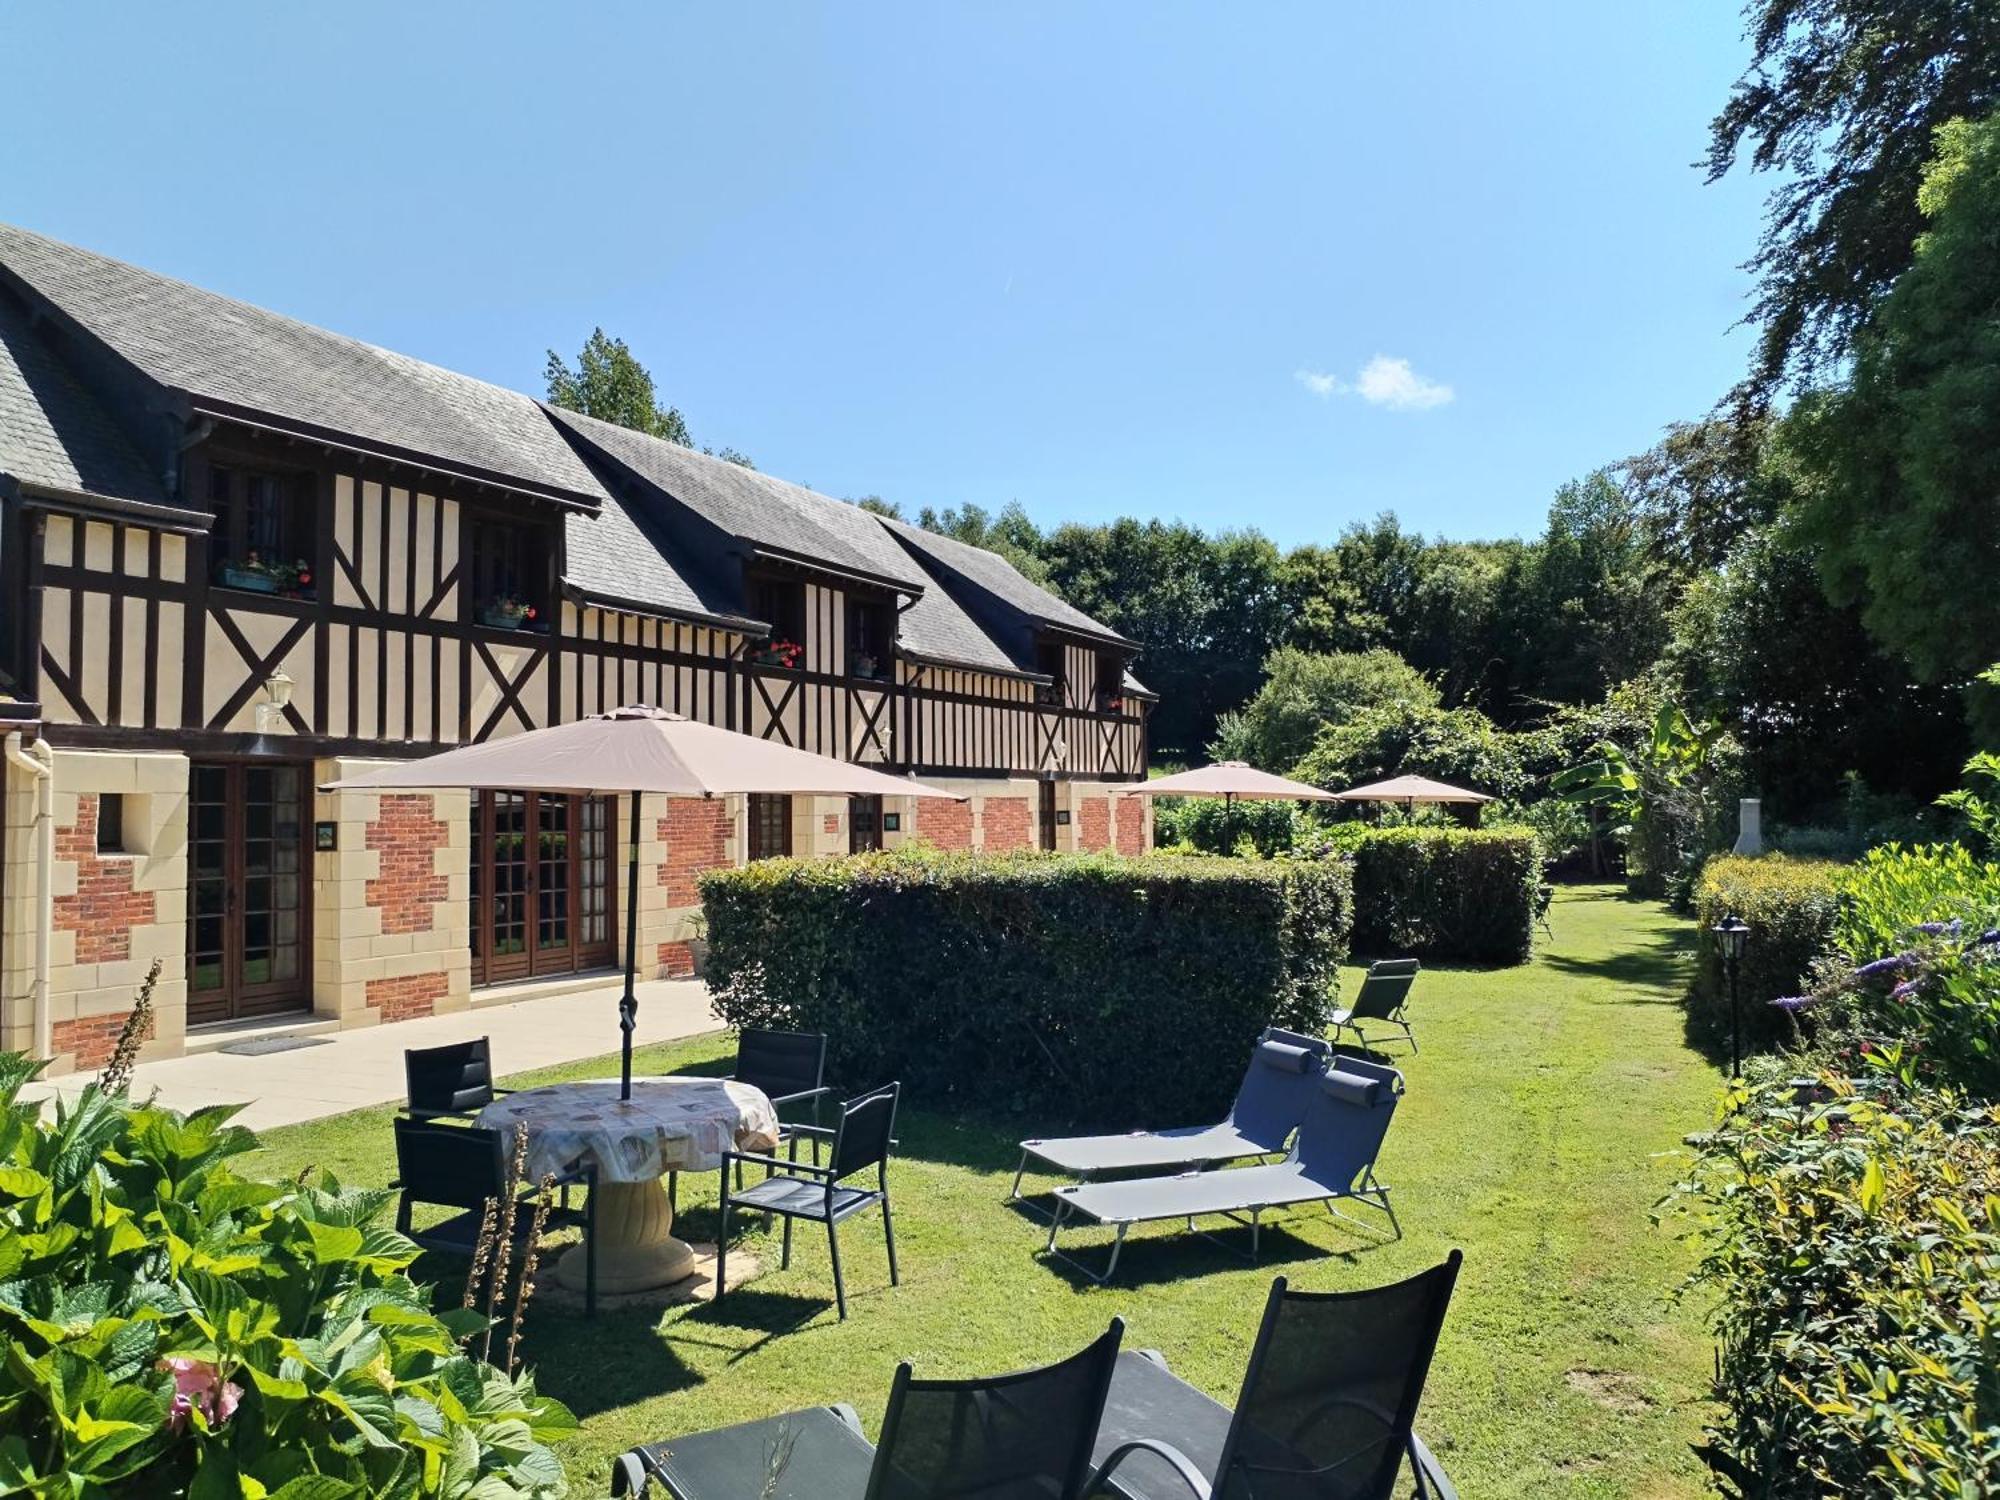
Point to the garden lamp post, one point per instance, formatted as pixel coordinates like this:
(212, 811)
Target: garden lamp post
(1732, 934)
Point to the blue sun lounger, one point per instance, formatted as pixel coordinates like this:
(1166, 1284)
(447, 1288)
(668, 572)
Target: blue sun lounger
(1333, 1158)
(1276, 1090)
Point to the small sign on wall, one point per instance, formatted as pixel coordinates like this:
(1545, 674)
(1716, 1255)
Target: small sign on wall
(326, 837)
(892, 822)
(1062, 817)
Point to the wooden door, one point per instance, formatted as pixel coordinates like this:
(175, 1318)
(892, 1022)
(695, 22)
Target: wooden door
(247, 891)
(541, 885)
(1045, 815)
(864, 824)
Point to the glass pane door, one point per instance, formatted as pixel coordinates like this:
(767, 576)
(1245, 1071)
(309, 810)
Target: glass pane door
(247, 891)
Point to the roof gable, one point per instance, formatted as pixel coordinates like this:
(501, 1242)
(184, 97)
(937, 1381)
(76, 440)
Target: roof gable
(233, 358)
(53, 434)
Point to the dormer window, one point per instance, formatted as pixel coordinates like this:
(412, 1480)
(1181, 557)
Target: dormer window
(782, 603)
(262, 539)
(1049, 664)
(871, 638)
(510, 574)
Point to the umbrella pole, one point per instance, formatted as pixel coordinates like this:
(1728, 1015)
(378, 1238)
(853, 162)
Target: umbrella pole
(628, 1007)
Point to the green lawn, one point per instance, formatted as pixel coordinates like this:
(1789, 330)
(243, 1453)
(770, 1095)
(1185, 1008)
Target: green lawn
(1542, 1121)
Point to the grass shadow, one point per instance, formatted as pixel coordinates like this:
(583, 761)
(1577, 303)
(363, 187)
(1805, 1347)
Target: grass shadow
(1162, 1259)
(1661, 965)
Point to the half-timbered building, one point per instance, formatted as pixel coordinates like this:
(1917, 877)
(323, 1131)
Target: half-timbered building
(241, 556)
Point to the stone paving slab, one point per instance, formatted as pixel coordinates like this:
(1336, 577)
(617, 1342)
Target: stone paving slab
(360, 1068)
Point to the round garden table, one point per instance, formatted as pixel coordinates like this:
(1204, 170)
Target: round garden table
(668, 1125)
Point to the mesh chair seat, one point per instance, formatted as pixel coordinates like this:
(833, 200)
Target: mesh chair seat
(1191, 1146)
(802, 1198)
(815, 1454)
(1023, 1436)
(1148, 1198)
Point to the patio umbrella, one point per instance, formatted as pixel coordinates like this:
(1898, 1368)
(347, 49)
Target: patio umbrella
(1410, 790)
(632, 751)
(1229, 779)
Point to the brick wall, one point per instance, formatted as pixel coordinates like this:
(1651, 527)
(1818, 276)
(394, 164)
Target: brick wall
(93, 1039)
(105, 908)
(946, 824)
(830, 823)
(404, 997)
(676, 961)
(1131, 824)
(696, 834)
(407, 835)
(1008, 824)
(1093, 823)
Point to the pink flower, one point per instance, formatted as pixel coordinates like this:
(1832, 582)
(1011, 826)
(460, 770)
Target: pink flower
(197, 1383)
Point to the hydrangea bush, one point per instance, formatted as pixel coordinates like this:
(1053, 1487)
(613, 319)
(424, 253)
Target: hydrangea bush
(172, 1328)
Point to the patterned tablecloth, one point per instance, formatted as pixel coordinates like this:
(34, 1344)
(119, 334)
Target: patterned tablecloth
(668, 1125)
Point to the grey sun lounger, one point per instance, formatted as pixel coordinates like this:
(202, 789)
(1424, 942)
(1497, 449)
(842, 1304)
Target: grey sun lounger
(1333, 1158)
(1276, 1089)
(1383, 1002)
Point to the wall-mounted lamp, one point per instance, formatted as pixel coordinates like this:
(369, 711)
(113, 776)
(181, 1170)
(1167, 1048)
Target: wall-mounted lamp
(277, 698)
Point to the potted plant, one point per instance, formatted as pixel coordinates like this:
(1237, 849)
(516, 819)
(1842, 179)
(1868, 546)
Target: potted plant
(865, 665)
(508, 613)
(778, 653)
(260, 576)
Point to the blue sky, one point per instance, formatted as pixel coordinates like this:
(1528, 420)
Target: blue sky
(1266, 266)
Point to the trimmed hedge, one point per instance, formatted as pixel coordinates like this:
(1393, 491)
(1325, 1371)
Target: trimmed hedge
(1792, 906)
(1093, 988)
(1467, 895)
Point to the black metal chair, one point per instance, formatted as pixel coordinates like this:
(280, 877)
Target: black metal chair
(461, 1167)
(1384, 999)
(1328, 1409)
(788, 1067)
(794, 1190)
(1025, 1434)
(453, 1080)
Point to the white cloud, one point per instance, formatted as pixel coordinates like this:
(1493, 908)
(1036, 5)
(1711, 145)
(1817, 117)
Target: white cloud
(1383, 381)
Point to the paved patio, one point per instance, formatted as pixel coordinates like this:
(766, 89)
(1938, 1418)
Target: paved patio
(355, 1069)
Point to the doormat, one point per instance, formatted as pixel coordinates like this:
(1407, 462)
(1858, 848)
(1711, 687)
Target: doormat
(264, 1046)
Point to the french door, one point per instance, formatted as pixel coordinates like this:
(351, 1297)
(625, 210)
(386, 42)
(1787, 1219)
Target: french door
(247, 890)
(1045, 814)
(541, 867)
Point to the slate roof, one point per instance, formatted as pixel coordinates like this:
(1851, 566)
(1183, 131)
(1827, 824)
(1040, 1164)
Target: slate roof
(612, 557)
(958, 564)
(53, 434)
(218, 350)
(758, 509)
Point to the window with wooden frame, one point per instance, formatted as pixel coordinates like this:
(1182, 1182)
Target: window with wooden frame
(509, 564)
(1110, 682)
(770, 832)
(1049, 663)
(264, 536)
(782, 603)
(871, 638)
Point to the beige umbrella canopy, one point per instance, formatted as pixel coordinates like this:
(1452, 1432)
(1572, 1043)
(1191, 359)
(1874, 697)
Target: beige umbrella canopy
(631, 751)
(1411, 789)
(1229, 780)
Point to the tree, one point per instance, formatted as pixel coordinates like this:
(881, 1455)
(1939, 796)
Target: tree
(1901, 466)
(1205, 610)
(1841, 97)
(1702, 488)
(610, 384)
(1458, 745)
(1306, 691)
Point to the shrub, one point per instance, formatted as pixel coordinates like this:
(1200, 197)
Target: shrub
(1855, 1255)
(172, 1328)
(1216, 827)
(1470, 895)
(1304, 691)
(1791, 906)
(1459, 745)
(1894, 890)
(1075, 986)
